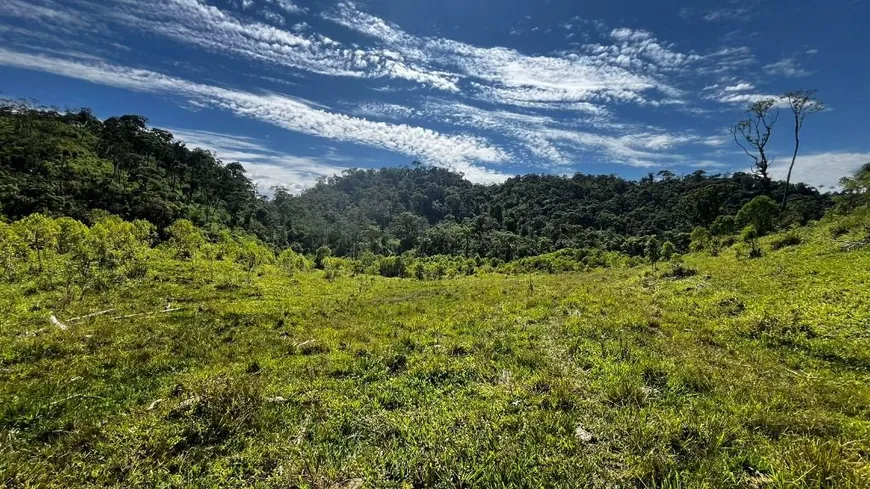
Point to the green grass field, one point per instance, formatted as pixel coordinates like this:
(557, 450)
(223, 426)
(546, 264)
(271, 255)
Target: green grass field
(749, 373)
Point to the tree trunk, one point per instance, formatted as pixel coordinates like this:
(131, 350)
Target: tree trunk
(797, 143)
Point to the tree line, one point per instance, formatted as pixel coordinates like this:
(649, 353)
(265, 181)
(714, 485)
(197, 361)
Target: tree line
(68, 163)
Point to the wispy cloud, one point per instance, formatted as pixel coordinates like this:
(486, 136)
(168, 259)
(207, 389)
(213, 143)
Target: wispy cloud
(547, 142)
(625, 66)
(627, 69)
(273, 17)
(545, 109)
(458, 152)
(741, 93)
(739, 87)
(735, 10)
(790, 66)
(265, 166)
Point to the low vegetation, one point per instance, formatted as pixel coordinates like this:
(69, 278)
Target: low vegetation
(210, 360)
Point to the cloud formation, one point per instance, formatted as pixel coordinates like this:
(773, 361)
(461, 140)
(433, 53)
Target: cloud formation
(468, 107)
(821, 169)
(453, 151)
(266, 167)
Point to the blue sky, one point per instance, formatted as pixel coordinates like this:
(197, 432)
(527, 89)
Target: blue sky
(298, 89)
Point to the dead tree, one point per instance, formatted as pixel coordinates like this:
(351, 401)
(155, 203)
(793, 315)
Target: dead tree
(754, 133)
(802, 103)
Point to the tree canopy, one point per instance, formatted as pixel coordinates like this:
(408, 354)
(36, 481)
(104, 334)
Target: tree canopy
(70, 163)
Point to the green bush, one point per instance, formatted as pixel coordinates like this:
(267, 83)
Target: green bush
(760, 213)
(701, 239)
(749, 236)
(723, 226)
(791, 238)
(185, 239)
(391, 266)
(292, 262)
(319, 255)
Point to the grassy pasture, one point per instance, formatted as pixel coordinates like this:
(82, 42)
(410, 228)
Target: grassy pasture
(747, 373)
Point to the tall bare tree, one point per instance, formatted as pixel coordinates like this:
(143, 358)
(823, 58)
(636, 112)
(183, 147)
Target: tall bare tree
(754, 133)
(802, 103)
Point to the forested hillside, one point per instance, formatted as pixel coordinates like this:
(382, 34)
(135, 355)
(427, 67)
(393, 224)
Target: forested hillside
(69, 163)
(164, 324)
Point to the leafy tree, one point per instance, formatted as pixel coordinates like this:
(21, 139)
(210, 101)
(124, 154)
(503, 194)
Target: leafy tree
(408, 228)
(723, 226)
(653, 250)
(701, 239)
(760, 213)
(13, 251)
(185, 238)
(668, 250)
(292, 262)
(39, 233)
(856, 190)
(252, 254)
(321, 254)
(72, 235)
(749, 235)
(116, 246)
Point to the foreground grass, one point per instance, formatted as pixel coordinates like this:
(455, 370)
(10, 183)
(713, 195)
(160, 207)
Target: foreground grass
(746, 374)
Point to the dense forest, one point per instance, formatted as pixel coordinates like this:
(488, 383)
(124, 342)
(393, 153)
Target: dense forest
(67, 163)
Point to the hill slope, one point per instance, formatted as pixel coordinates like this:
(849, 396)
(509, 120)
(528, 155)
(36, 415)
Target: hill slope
(749, 373)
(67, 164)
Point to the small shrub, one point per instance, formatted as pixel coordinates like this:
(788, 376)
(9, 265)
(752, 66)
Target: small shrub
(749, 235)
(701, 238)
(679, 270)
(790, 238)
(723, 226)
(668, 250)
(219, 408)
(322, 253)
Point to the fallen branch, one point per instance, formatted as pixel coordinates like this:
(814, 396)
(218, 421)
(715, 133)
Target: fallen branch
(98, 313)
(854, 245)
(74, 396)
(149, 313)
(55, 321)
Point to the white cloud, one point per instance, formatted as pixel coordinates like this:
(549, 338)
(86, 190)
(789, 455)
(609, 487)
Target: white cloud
(206, 26)
(788, 67)
(628, 65)
(48, 13)
(273, 17)
(543, 141)
(735, 97)
(458, 152)
(707, 164)
(738, 13)
(740, 87)
(820, 169)
(623, 72)
(495, 89)
(264, 166)
(288, 7)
